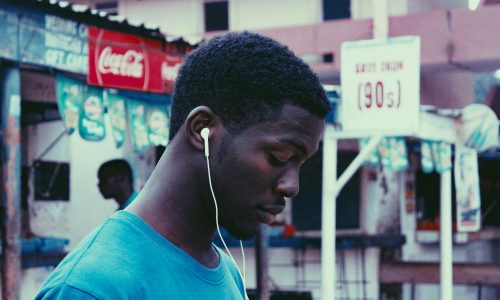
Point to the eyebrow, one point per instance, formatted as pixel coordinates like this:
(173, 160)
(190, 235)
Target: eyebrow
(296, 145)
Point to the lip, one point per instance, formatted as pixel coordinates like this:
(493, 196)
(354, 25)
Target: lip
(267, 214)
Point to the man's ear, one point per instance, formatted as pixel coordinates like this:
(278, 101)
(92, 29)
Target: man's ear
(199, 118)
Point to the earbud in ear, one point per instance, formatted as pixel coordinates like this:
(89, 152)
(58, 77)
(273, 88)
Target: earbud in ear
(204, 135)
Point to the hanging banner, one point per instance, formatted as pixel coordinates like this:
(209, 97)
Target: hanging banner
(117, 113)
(169, 70)
(442, 156)
(69, 100)
(157, 121)
(426, 157)
(125, 61)
(373, 159)
(138, 128)
(398, 154)
(467, 193)
(91, 125)
(391, 154)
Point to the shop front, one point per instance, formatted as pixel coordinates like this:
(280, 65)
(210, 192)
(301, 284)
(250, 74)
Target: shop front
(76, 91)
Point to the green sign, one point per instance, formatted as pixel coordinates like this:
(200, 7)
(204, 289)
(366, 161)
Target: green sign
(157, 121)
(91, 124)
(32, 36)
(69, 99)
(118, 117)
(138, 127)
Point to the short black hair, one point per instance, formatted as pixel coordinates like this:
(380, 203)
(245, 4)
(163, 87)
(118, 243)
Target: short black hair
(245, 78)
(115, 167)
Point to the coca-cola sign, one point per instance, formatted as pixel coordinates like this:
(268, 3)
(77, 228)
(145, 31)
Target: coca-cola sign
(130, 64)
(169, 70)
(124, 61)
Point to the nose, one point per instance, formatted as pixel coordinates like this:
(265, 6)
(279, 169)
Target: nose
(288, 184)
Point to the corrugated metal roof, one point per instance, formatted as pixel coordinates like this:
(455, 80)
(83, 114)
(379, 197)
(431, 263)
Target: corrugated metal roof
(86, 14)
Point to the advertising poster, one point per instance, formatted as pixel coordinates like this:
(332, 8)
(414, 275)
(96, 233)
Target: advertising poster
(467, 190)
(118, 117)
(69, 100)
(91, 124)
(157, 121)
(124, 61)
(138, 126)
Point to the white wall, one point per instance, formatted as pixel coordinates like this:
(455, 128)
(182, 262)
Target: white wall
(75, 218)
(175, 17)
(363, 9)
(259, 14)
(186, 17)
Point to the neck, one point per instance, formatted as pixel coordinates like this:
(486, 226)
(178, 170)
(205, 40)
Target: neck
(171, 203)
(124, 194)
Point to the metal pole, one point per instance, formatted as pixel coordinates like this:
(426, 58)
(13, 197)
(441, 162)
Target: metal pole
(11, 188)
(262, 257)
(356, 163)
(446, 246)
(329, 199)
(380, 19)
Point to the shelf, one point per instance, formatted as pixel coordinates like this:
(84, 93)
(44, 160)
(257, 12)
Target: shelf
(342, 242)
(432, 236)
(42, 259)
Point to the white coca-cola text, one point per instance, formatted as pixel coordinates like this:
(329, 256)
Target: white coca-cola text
(128, 64)
(169, 72)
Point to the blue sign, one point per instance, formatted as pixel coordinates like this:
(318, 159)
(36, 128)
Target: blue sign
(8, 32)
(43, 39)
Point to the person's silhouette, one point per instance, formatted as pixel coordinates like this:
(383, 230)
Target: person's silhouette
(116, 182)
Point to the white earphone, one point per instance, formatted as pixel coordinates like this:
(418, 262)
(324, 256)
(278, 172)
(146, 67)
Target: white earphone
(204, 135)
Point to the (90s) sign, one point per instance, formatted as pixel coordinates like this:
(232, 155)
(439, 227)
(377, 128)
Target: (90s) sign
(380, 82)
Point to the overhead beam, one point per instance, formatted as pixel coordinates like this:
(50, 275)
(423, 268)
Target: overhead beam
(487, 274)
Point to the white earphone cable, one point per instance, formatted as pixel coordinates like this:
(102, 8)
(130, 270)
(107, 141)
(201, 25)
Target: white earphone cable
(220, 235)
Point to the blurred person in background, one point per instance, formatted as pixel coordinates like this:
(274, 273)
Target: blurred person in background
(116, 182)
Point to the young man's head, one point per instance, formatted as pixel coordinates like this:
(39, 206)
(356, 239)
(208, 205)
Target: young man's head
(115, 179)
(264, 108)
(244, 78)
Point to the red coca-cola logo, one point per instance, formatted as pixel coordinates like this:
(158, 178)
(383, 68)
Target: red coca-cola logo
(126, 61)
(128, 64)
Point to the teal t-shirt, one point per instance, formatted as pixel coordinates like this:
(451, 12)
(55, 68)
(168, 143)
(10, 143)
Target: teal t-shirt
(124, 258)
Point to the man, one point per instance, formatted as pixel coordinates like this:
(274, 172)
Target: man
(263, 111)
(116, 182)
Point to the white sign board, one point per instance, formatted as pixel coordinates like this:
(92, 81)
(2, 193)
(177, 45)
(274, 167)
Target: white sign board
(380, 82)
(467, 192)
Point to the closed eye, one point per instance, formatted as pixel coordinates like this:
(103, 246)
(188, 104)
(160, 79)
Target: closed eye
(275, 162)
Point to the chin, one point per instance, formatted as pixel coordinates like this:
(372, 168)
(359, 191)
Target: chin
(243, 233)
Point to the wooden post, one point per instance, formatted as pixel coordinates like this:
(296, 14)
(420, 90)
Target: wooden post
(11, 188)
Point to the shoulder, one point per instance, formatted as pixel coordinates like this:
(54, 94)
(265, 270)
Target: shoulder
(64, 291)
(100, 264)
